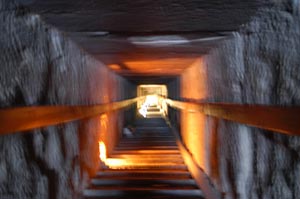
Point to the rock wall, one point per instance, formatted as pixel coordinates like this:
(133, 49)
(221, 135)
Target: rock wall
(39, 66)
(193, 86)
(257, 65)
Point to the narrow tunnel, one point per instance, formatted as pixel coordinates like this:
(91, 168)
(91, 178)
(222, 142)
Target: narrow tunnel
(149, 99)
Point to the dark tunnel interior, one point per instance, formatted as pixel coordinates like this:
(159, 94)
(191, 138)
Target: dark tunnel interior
(149, 99)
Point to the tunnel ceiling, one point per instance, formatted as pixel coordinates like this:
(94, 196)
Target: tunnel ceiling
(147, 37)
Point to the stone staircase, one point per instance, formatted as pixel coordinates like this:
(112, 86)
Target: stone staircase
(154, 168)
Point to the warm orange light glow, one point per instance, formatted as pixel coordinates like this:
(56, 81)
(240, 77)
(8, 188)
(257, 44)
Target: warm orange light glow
(193, 124)
(196, 76)
(113, 163)
(102, 151)
(129, 161)
(103, 121)
(114, 67)
(164, 65)
(122, 163)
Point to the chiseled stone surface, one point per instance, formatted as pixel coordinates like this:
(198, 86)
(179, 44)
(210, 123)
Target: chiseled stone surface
(39, 66)
(146, 15)
(115, 31)
(258, 65)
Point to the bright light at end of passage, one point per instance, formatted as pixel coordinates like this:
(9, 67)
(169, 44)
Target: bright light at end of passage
(151, 100)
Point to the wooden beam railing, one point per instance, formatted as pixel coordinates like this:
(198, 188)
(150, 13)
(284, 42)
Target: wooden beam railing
(284, 120)
(26, 118)
(280, 119)
(202, 179)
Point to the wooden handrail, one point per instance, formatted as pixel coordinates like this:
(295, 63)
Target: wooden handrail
(285, 120)
(280, 119)
(202, 179)
(26, 118)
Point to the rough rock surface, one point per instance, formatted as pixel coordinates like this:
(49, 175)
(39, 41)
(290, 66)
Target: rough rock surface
(127, 34)
(39, 66)
(258, 65)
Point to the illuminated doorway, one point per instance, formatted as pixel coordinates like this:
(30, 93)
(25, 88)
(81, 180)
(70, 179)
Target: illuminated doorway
(152, 105)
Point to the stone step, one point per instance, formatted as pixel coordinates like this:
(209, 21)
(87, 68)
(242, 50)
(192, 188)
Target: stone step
(154, 115)
(156, 129)
(147, 144)
(153, 108)
(154, 161)
(146, 166)
(142, 165)
(180, 173)
(145, 135)
(145, 156)
(142, 158)
(159, 148)
(148, 139)
(143, 196)
(125, 192)
(144, 182)
(145, 151)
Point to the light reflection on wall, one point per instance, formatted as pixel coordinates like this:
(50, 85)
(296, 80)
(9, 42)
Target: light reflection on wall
(103, 129)
(110, 162)
(102, 151)
(160, 66)
(113, 163)
(114, 67)
(103, 122)
(102, 86)
(109, 132)
(193, 86)
(192, 126)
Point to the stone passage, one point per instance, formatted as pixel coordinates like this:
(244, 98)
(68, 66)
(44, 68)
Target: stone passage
(150, 166)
